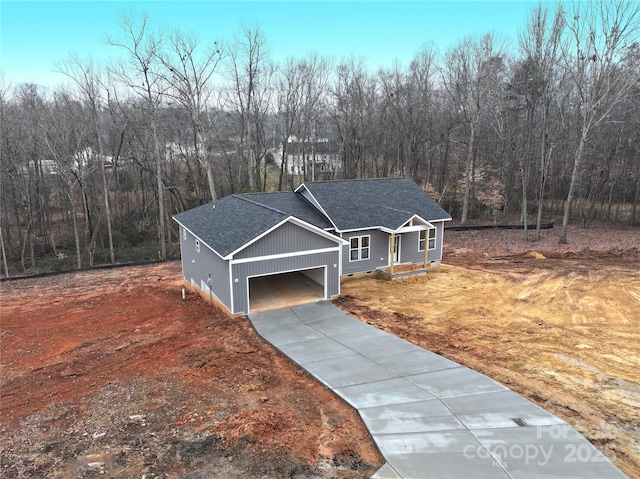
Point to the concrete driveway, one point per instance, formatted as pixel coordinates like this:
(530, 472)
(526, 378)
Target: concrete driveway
(430, 417)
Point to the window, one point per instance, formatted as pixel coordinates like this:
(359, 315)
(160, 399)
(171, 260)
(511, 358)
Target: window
(359, 248)
(431, 236)
(184, 234)
(198, 245)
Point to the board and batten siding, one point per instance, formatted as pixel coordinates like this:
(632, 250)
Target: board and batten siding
(197, 266)
(378, 252)
(241, 272)
(288, 238)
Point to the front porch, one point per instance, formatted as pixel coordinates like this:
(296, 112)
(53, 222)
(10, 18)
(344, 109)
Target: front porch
(402, 271)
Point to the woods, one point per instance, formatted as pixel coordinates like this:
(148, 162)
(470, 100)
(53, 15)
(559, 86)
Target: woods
(543, 127)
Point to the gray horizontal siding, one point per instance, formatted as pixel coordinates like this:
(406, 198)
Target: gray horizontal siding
(378, 252)
(288, 238)
(242, 271)
(196, 267)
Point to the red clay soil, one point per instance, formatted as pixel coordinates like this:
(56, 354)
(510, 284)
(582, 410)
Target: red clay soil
(111, 372)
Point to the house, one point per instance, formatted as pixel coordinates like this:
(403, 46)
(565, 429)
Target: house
(324, 230)
(320, 157)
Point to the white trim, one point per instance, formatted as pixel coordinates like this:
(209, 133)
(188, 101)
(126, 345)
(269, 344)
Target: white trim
(400, 229)
(426, 239)
(413, 229)
(360, 248)
(435, 238)
(325, 286)
(231, 286)
(399, 245)
(285, 255)
(316, 203)
(288, 219)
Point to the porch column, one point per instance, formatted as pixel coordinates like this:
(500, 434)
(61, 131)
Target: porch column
(426, 247)
(393, 252)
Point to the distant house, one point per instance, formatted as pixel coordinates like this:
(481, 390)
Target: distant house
(320, 157)
(325, 230)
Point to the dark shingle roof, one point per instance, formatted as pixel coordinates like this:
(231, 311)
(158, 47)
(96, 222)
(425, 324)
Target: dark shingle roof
(383, 202)
(351, 204)
(231, 224)
(293, 204)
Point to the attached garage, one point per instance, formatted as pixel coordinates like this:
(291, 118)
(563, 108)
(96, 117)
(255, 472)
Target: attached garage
(320, 265)
(286, 289)
(263, 256)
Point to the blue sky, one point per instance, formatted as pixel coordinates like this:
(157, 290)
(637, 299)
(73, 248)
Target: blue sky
(35, 35)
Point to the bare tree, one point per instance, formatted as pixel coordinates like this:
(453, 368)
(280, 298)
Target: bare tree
(598, 35)
(290, 87)
(66, 132)
(87, 78)
(535, 81)
(189, 75)
(410, 97)
(470, 78)
(248, 97)
(352, 109)
(140, 74)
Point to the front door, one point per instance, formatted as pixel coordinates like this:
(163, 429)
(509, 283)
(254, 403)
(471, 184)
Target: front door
(394, 249)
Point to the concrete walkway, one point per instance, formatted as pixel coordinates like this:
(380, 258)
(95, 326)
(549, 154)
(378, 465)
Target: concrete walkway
(430, 417)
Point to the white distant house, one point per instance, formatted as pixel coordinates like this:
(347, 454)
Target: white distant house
(320, 157)
(81, 160)
(174, 152)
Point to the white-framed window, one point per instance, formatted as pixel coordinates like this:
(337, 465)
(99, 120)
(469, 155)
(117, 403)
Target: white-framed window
(431, 235)
(359, 248)
(198, 245)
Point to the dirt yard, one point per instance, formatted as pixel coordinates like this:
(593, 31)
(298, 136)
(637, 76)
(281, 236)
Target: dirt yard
(558, 324)
(112, 374)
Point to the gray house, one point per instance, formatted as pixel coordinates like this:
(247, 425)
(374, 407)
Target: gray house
(323, 230)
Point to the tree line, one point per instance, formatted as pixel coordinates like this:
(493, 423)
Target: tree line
(547, 126)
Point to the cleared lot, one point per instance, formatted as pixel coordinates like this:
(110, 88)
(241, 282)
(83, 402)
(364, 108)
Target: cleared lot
(560, 327)
(112, 371)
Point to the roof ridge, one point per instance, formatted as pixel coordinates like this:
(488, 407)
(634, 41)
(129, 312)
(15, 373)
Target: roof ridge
(244, 198)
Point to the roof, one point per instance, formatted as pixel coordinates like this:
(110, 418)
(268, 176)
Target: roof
(230, 223)
(378, 202)
(293, 204)
(219, 227)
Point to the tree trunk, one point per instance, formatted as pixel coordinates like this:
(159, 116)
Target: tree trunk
(4, 254)
(76, 233)
(467, 175)
(575, 176)
(107, 206)
(210, 179)
(636, 200)
(544, 162)
(160, 186)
